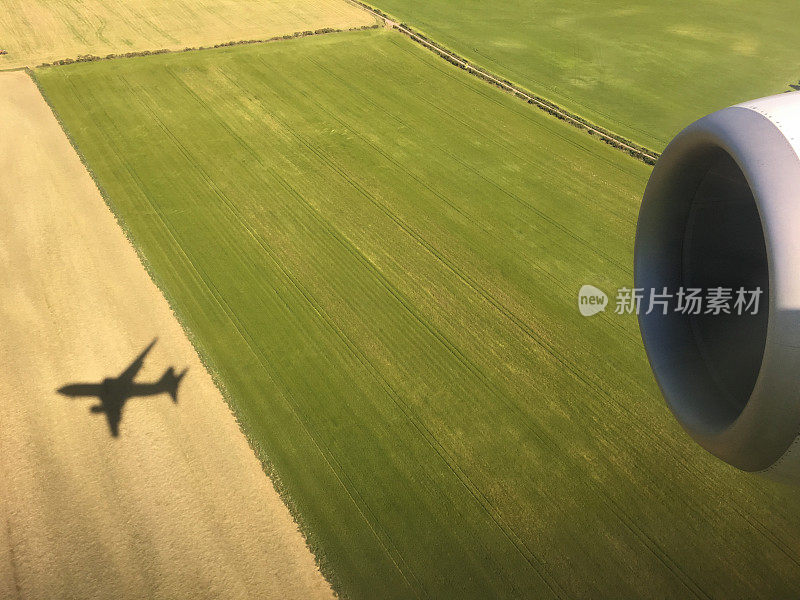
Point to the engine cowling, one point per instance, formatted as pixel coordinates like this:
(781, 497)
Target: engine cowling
(722, 210)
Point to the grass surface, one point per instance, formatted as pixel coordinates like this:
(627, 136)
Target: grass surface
(36, 31)
(380, 256)
(642, 69)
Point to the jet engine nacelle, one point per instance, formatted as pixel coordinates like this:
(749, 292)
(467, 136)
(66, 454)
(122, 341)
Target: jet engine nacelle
(722, 211)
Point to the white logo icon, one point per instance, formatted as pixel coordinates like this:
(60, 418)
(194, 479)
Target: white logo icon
(591, 300)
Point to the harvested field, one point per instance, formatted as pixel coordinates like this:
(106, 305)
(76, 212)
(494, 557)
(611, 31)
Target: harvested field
(177, 506)
(37, 31)
(381, 256)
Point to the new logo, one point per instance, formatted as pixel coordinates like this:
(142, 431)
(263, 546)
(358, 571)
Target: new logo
(591, 300)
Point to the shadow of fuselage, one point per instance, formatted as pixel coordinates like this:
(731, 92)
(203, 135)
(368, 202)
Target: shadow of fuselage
(114, 392)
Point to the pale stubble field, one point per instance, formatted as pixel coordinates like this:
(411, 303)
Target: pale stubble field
(177, 506)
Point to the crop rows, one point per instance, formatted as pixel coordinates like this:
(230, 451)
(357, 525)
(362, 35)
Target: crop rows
(379, 255)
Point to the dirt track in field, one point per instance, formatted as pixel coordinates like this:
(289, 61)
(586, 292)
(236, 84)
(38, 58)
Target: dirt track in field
(177, 506)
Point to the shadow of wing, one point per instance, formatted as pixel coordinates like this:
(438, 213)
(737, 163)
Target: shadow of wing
(129, 374)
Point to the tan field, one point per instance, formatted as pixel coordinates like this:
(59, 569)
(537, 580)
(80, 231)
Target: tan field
(37, 31)
(176, 506)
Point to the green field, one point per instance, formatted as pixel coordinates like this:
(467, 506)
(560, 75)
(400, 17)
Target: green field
(643, 69)
(379, 255)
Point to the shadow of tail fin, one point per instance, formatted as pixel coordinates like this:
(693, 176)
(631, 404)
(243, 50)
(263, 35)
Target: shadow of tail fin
(171, 381)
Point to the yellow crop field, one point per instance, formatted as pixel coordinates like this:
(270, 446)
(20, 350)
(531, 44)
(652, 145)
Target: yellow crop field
(36, 31)
(172, 505)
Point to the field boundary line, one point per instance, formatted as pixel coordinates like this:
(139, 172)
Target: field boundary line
(635, 150)
(310, 539)
(81, 58)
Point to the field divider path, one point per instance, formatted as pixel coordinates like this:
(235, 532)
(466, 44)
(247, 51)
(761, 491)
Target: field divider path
(639, 152)
(84, 58)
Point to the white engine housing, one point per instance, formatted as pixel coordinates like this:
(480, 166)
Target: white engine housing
(722, 208)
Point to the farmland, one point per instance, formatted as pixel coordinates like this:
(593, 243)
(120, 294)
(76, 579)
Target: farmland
(36, 31)
(642, 69)
(177, 506)
(378, 256)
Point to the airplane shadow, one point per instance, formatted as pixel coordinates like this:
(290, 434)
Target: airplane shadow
(113, 392)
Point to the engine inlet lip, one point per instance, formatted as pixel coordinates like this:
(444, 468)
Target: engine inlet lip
(769, 423)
